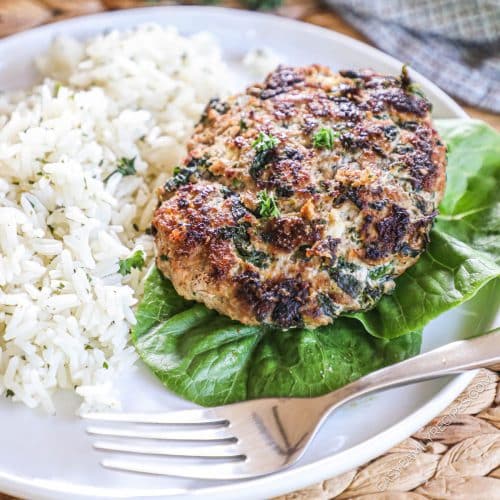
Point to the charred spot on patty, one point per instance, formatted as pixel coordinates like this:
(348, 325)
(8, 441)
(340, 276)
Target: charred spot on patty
(325, 248)
(238, 210)
(399, 100)
(390, 232)
(289, 296)
(290, 232)
(293, 153)
(280, 81)
(274, 301)
(354, 142)
(347, 109)
(220, 258)
(349, 73)
(283, 190)
(345, 193)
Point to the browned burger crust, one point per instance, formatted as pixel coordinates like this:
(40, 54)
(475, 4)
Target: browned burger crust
(347, 220)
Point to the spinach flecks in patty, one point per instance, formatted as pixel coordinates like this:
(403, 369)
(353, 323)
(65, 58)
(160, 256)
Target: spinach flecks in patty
(327, 305)
(343, 274)
(259, 163)
(264, 147)
(181, 177)
(239, 235)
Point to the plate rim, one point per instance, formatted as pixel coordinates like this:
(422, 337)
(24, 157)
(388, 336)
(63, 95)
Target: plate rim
(309, 473)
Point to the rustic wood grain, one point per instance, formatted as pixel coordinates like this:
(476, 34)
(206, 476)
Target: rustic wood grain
(462, 460)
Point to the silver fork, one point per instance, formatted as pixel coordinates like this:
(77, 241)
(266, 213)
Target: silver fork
(253, 438)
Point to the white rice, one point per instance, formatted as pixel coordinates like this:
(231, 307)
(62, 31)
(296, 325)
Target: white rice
(65, 311)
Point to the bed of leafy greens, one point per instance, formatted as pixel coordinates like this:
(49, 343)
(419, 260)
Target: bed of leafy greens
(212, 360)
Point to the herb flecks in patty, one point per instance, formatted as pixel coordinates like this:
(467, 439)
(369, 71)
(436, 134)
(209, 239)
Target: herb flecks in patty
(343, 273)
(264, 142)
(267, 205)
(325, 138)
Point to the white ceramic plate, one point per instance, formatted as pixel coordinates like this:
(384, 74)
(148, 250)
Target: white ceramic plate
(51, 457)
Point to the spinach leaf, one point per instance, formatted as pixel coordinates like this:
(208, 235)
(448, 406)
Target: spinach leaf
(464, 253)
(470, 210)
(212, 360)
(473, 148)
(160, 301)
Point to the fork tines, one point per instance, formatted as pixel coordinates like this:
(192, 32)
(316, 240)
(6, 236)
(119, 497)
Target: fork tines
(197, 434)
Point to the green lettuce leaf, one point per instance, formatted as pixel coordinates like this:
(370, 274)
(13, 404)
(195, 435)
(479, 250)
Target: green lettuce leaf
(470, 211)
(212, 360)
(464, 253)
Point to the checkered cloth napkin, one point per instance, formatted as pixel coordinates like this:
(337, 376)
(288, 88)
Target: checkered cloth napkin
(455, 43)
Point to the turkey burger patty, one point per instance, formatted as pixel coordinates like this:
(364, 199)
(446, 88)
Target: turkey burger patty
(302, 198)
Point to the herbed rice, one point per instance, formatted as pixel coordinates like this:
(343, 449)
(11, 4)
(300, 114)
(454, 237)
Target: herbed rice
(65, 310)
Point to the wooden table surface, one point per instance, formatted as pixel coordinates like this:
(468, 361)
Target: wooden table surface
(16, 15)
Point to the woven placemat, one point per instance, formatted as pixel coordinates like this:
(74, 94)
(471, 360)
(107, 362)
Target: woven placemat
(457, 455)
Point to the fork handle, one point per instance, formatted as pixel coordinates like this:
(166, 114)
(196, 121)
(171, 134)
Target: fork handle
(455, 357)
